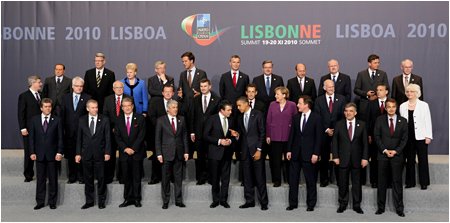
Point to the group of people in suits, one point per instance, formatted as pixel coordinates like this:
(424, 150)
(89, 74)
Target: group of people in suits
(296, 123)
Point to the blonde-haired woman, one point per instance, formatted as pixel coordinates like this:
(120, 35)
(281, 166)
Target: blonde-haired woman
(136, 88)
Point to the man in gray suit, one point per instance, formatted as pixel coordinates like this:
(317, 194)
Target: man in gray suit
(57, 86)
(171, 145)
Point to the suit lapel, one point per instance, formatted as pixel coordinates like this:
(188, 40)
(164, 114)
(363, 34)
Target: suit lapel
(210, 104)
(178, 125)
(132, 124)
(399, 122)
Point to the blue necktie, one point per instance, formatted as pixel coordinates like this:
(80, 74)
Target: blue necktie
(334, 79)
(268, 85)
(75, 103)
(246, 122)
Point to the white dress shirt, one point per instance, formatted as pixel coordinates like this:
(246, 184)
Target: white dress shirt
(302, 117)
(101, 72)
(237, 75)
(95, 121)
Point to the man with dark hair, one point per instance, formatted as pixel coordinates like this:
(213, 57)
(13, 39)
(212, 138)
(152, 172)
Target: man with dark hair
(57, 86)
(233, 83)
(251, 93)
(266, 83)
(342, 82)
(301, 85)
(189, 84)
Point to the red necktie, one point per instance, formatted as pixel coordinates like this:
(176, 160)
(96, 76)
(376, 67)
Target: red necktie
(118, 106)
(392, 127)
(173, 127)
(331, 105)
(382, 107)
(350, 131)
(234, 79)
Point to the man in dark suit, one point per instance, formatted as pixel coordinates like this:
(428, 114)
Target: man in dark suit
(233, 83)
(46, 147)
(73, 107)
(391, 135)
(57, 86)
(251, 134)
(28, 107)
(301, 85)
(94, 148)
(251, 93)
(203, 107)
(399, 82)
(304, 144)
(219, 139)
(99, 81)
(366, 84)
(342, 82)
(266, 83)
(157, 82)
(111, 109)
(350, 153)
(171, 145)
(129, 133)
(330, 107)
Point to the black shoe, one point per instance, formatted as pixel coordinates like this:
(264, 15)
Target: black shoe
(242, 184)
(358, 210)
(423, 187)
(201, 182)
(87, 205)
(264, 207)
(310, 209)
(27, 180)
(39, 206)
(214, 204)
(81, 182)
(224, 204)
(389, 186)
(165, 206)
(276, 184)
(379, 211)
(374, 185)
(125, 204)
(101, 206)
(400, 213)
(291, 207)
(324, 184)
(137, 204)
(341, 209)
(71, 181)
(52, 206)
(181, 205)
(154, 181)
(247, 205)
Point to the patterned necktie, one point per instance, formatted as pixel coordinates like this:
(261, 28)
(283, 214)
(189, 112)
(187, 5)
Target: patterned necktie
(118, 106)
(128, 126)
(98, 79)
(205, 105)
(373, 75)
(382, 107)
(334, 79)
(300, 82)
(189, 79)
(92, 126)
(234, 79)
(268, 85)
(392, 126)
(331, 105)
(304, 123)
(224, 126)
(406, 81)
(75, 103)
(246, 122)
(37, 98)
(173, 127)
(350, 131)
(45, 124)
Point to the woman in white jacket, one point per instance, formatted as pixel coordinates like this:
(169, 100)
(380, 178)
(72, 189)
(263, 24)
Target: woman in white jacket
(420, 134)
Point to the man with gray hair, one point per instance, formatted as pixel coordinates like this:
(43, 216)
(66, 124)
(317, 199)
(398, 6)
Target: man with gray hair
(400, 82)
(156, 83)
(28, 107)
(99, 81)
(342, 83)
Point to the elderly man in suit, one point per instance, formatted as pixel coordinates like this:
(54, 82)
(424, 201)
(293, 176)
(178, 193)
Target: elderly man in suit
(130, 132)
(171, 145)
(233, 83)
(266, 83)
(301, 85)
(56, 87)
(94, 148)
(366, 84)
(28, 107)
(342, 82)
(99, 81)
(157, 82)
(46, 147)
(350, 153)
(304, 144)
(391, 136)
(400, 82)
(73, 107)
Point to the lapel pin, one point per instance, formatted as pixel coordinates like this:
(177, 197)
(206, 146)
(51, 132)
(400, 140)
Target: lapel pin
(99, 120)
(53, 119)
(357, 124)
(105, 74)
(399, 120)
(134, 118)
(412, 79)
(81, 99)
(274, 79)
(178, 120)
(340, 80)
(378, 75)
(337, 99)
(306, 81)
(212, 99)
(240, 76)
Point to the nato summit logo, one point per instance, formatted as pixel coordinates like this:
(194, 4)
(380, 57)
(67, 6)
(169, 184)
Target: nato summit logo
(204, 36)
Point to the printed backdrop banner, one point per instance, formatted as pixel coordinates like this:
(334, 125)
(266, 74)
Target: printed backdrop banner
(38, 35)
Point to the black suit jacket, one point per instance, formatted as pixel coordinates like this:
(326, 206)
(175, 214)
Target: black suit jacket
(46, 144)
(384, 140)
(260, 82)
(109, 108)
(198, 118)
(305, 144)
(321, 108)
(154, 86)
(27, 108)
(94, 146)
(398, 89)
(227, 89)
(373, 112)
(350, 151)
(135, 140)
(260, 106)
(56, 93)
(364, 84)
(105, 89)
(184, 84)
(167, 144)
(213, 132)
(157, 109)
(343, 85)
(256, 135)
(70, 117)
(294, 89)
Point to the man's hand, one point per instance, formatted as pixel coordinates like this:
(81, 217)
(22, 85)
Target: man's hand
(186, 157)
(373, 97)
(314, 158)
(163, 77)
(24, 132)
(336, 161)
(33, 157)
(129, 151)
(288, 155)
(107, 157)
(268, 140)
(234, 133)
(257, 156)
(330, 132)
(160, 159)
(370, 93)
(370, 139)
(113, 130)
(144, 114)
(77, 159)
(58, 157)
(225, 142)
(427, 141)
(364, 163)
(196, 93)
(180, 93)
(193, 138)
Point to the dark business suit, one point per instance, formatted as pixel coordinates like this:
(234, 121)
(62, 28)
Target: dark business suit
(398, 88)
(46, 145)
(27, 108)
(131, 165)
(197, 121)
(105, 88)
(172, 147)
(364, 84)
(93, 149)
(350, 153)
(219, 156)
(294, 89)
(56, 91)
(231, 93)
(397, 142)
(260, 106)
(251, 140)
(155, 88)
(70, 119)
(302, 145)
(260, 82)
(329, 121)
(343, 85)
(188, 94)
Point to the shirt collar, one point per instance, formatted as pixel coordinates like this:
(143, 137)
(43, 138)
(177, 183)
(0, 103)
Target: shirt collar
(101, 70)
(370, 71)
(34, 92)
(42, 116)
